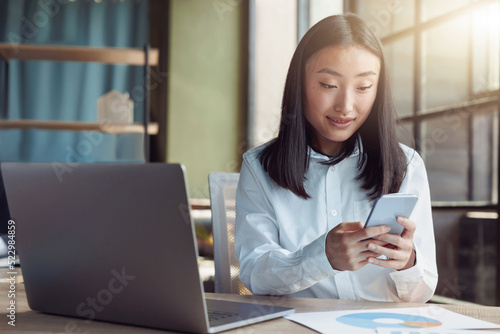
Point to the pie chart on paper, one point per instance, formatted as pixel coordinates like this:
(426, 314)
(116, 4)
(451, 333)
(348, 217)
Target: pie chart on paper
(375, 320)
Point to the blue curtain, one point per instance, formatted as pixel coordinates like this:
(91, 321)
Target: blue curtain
(68, 91)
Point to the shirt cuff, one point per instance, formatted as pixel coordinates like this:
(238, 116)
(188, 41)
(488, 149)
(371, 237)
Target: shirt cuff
(406, 280)
(315, 260)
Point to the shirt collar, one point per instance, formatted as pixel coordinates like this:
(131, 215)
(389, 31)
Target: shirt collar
(319, 156)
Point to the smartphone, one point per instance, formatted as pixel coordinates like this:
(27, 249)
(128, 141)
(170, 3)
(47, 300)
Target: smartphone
(388, 207)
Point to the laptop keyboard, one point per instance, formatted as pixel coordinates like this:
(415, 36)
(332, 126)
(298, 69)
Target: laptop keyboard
(218, 315)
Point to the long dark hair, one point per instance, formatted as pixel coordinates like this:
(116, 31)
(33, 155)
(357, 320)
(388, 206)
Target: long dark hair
(382, 162)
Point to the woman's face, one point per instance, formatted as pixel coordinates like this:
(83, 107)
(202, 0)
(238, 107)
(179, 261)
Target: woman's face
(341, 86)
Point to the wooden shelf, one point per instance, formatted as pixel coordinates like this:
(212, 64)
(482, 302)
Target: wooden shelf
(79, 126)
(128, 56)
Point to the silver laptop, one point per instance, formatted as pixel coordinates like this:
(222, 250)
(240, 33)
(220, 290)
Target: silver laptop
(115, 242)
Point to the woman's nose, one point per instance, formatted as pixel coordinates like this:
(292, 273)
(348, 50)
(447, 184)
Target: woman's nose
(344, 102)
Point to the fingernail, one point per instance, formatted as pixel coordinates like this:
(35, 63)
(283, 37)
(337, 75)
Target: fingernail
(400, 219)
(371, 247)
(387, 228)
(370, 260)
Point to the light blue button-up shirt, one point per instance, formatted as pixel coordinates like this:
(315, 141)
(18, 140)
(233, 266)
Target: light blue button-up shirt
(280, 237)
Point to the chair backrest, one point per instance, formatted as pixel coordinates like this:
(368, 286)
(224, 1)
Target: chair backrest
(223, 204)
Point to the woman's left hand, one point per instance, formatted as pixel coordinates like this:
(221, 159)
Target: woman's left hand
(398, 249)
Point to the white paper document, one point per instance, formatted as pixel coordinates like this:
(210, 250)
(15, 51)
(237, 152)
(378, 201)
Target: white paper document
(399, 320)
(429, 331)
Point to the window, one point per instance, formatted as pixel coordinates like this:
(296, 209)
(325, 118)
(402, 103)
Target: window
(444, 62)
(275, 29)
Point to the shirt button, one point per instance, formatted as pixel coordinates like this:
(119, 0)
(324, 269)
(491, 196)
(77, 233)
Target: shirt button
(332, 168)
(334, 213)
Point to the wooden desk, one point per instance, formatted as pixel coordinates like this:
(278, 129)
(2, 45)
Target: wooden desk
(28, 321)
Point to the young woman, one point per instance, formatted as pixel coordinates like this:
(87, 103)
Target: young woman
(303, 198)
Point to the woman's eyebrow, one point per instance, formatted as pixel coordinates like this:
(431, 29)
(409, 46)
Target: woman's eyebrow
(337, 74)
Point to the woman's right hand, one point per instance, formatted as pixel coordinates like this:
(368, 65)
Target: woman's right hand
(347, 245)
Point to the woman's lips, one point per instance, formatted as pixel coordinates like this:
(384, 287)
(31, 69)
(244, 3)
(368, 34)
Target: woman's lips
(339, 122)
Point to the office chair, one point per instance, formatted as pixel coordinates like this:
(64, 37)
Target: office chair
(222, 198)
